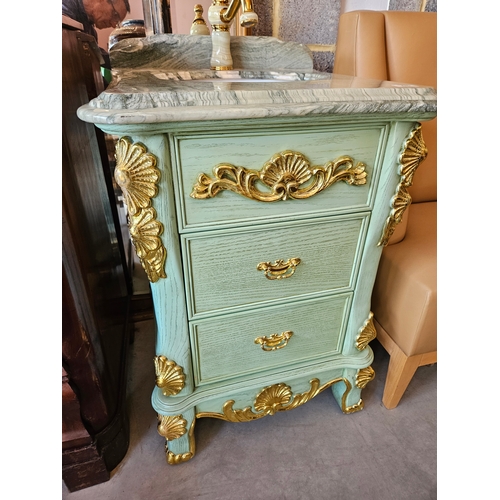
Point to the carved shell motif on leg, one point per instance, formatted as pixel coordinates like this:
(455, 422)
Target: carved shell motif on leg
(171, 427)
(170, 377)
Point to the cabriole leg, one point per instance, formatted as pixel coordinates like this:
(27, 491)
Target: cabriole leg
(348, 393)
(178, 430)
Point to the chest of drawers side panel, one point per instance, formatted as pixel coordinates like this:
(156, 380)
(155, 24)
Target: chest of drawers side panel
(252, 149)
(389, 180)
(172, 339)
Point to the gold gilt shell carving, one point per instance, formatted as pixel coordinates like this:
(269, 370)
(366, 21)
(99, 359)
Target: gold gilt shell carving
(366, 333)
(137, 176)
(364, 376)
(170, 377)
(171, 427)
(279, 397)
(145, 233)
(414, 152)
(288, 174)
(270, 400)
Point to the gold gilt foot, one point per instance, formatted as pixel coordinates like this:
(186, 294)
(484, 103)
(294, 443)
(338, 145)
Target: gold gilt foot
(174, 429)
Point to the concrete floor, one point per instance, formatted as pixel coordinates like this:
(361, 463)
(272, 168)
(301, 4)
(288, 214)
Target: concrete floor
(313, 452)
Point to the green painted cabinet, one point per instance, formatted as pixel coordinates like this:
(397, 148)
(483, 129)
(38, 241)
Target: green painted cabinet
(260, 227)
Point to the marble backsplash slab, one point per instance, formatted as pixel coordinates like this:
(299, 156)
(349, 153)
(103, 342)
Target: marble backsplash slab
(189, 52)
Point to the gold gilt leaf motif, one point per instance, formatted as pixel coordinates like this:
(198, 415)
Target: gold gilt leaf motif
(171, 427)
(173, 459)
(414, 152)
(364, 376)
(145, 233)
(137, 176)
(366, 333)
(170, 377)
(287, 174)
(276, 398)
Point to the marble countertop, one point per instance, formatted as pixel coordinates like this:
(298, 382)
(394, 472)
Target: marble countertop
(157, 95)
(161, 79)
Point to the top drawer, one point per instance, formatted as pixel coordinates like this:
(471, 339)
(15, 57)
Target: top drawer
(252, 151)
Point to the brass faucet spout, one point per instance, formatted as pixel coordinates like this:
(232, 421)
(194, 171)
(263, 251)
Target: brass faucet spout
(227, 15)
(248, 17)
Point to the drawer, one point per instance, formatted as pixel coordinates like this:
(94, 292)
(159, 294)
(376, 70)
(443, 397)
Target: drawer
(221, 267)
(225, 347)
(252, 150)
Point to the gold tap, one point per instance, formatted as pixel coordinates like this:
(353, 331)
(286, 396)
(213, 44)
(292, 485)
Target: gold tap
(220, 15)
(248, 17)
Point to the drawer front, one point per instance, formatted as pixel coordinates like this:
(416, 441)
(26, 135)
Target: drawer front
(225, 347)
(252, 150)
(240, 267)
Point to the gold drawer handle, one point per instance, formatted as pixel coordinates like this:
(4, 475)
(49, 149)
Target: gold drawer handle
(280, 269)
(275, 341)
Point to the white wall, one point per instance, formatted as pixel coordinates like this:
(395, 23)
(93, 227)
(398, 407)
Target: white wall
(182, 14)
(348, 5)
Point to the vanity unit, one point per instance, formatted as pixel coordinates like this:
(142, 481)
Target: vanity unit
(259, 203)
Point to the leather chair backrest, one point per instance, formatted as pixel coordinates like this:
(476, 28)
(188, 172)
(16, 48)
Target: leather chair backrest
(399, 46)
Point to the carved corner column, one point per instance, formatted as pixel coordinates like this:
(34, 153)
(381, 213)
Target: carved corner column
(142, 172)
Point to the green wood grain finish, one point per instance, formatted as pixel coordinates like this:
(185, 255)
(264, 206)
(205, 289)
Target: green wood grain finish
(221, 266)
(225, 348)
(170, 308)
(246, 397)
(217, 369)
(200, 153)
(244, 389)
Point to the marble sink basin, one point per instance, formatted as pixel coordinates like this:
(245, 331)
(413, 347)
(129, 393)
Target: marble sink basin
(222, 79)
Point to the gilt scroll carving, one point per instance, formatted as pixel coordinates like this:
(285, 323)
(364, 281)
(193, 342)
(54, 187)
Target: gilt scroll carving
(414, 152)
(288, 174)
(137, 176)
(366, 333)
(279, 397)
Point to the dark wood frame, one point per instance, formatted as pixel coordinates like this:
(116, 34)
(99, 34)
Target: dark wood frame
(96, 284)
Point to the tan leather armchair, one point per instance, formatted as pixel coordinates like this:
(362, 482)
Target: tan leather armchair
(401, 46)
